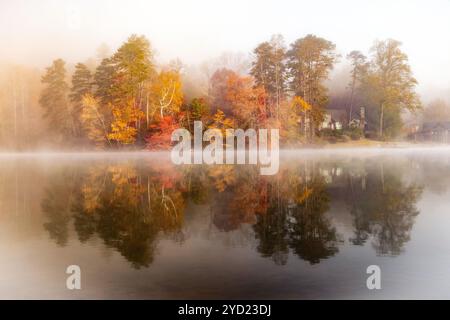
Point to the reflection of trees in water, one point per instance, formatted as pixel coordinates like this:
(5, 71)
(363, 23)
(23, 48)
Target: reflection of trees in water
(296, 219)
(130, 206)
(312, 237)
(384, 210)
(125, 209)
(56, 205)
(238, 196)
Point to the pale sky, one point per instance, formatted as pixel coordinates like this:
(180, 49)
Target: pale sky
(37, 31)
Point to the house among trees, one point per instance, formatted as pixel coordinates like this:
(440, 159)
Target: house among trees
(335, 119)
(436, 131)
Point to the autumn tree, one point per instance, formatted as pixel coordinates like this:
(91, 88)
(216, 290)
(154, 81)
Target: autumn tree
(54, 100)
(221, 122)
(166, 94)
(238, 96)
(310, 60)
(124, 124)
(95, 121)
(390, 85)
(247, 101)
(217, 90)
(160, 137)
(81, 86)
(134, 66)
(269, 70)
(123, 79)
(301, 107)
(197, 110)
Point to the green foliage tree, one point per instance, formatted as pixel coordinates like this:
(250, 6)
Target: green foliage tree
(269, 70)
(103, 81)
(81, 86)
(359, 67)
(389, 85)
(133, 67)
(310, 60)
(197, 110)
(55, 102)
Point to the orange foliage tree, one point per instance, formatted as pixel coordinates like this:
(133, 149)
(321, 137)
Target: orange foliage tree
(125, 118)
(238, 96)
(161, 133)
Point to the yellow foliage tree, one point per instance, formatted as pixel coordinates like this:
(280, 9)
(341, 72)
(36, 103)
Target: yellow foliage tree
(166, 93)
(305, 108)
(299, 102)
(125, 118)
(221, 122)
(94, 121)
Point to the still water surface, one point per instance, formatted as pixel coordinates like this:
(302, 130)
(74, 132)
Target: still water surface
(140, 227)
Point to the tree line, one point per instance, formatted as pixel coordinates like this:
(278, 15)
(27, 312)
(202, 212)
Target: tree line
(129, 101)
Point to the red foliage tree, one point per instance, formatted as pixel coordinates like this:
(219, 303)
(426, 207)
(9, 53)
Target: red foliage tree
(160, 134)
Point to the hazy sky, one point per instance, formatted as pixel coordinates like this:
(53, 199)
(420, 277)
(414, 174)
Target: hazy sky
(37, 31)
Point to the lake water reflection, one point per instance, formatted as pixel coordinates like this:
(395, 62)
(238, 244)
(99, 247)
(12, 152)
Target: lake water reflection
(140, 227)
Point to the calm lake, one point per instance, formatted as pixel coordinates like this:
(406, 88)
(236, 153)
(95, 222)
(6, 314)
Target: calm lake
(140, 227)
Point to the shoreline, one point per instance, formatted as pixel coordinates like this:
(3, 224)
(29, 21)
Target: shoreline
(361, 145)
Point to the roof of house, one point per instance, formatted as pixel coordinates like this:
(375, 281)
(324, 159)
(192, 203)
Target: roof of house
(337, 114)
(436, 125)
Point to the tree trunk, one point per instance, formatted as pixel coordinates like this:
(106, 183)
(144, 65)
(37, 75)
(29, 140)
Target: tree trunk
(381, 119)
(350, 116)
(304, 125)
(146, 112)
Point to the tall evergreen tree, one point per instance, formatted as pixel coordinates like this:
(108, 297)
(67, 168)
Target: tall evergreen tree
(134, 67)
(81, 85)
(104, 80)
(54, 100)
(130, 88)
(310, 60)
(269, 70)
(359, 69)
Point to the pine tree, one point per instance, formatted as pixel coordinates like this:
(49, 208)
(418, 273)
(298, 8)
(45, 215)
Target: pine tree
(134, 66)
(359, 68)
(104, 80)
(54, 100)
(269, 70)
(310, 60)
(81, 86)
